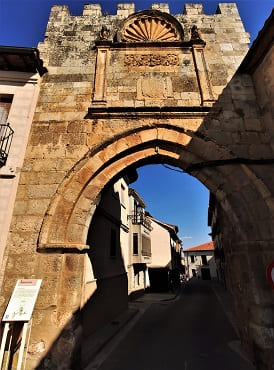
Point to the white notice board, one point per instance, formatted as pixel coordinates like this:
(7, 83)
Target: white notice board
(23, 299)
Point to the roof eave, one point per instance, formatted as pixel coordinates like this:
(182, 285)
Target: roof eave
(33, 53)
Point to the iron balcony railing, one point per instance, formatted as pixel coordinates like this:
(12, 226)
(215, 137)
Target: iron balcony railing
(6, 135)
(140, 219)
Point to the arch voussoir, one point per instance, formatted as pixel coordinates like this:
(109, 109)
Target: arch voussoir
(86, 182)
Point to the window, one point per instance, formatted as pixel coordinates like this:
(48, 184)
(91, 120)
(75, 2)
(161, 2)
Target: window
(137, 279)
(135, 207)
(113, 243)
(146, 246)
(5, 104)
(6, 132)
(135, 243)
(135, 210)
(204, 260)
(192, 259)
(123, 195)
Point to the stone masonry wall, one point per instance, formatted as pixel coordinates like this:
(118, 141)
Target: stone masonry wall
(104, 105)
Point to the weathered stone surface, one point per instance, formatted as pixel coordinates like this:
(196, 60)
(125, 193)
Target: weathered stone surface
(104, 107)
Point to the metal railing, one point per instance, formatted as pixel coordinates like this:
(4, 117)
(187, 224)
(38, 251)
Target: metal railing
(6, 135)
(140, 219)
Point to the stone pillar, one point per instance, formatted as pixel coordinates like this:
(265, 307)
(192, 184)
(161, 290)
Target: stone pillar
(99, 95)
(206, 91)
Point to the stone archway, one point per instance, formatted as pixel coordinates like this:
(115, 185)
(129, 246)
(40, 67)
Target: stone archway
(63, 232)
(75, 200)
(79, 192)
(78, 195)
(106, 107)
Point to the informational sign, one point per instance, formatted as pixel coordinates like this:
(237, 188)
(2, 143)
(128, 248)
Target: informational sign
(270, 274)
(23, 299)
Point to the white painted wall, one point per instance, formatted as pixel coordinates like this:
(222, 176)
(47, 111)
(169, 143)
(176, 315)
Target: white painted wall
(160, 246)
(197, 265)
(25, 88)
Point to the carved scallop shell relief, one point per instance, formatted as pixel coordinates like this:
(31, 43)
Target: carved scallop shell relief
(149, 29)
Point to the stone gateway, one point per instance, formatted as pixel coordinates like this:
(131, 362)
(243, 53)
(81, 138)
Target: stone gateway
(118, 87)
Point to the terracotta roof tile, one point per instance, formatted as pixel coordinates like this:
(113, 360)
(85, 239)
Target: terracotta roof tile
(202, 247)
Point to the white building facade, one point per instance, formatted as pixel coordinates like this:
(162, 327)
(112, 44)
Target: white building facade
(20, 72)
(200, 262)
(139, 244)
(165, 267)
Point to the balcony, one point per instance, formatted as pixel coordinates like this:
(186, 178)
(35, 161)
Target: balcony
(6, 135)
(140, 219)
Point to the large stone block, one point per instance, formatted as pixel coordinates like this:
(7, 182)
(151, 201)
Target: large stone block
(152, 92)
(92, 10)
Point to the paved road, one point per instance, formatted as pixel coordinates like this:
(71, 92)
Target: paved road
(190, 333)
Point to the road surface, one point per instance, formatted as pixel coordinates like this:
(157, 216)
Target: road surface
(189, 333)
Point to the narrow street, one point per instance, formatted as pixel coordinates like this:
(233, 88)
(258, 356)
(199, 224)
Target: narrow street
(191, 332)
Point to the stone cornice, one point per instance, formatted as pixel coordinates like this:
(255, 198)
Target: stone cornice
(139, 112)
(64, 247)
(164, 44)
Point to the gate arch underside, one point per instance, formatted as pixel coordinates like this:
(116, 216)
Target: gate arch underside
(67, 220)
(244, 199)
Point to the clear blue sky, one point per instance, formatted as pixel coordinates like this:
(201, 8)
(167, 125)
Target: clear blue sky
(176, 198)
(23, 22)
(170, 196)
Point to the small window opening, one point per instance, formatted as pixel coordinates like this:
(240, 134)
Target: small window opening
(135, 243)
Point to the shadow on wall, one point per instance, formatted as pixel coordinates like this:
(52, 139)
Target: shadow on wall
(163, 279)
(106, 261)
(106, 286)
(240, 216)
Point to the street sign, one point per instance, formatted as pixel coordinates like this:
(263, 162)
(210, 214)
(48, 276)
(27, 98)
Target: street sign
(22, 301)
(270, 274)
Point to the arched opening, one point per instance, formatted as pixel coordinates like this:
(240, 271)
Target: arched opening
(144, 88)
(135, 247)
(71, 211)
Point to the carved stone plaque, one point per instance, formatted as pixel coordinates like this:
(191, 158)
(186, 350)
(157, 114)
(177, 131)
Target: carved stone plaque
(154, 87)
(151, 60)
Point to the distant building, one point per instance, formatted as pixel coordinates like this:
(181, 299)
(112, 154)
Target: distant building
(139, 243)
(200, 261)
(214, 219)
(105, 278)
(164, 270)
(120, 249)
